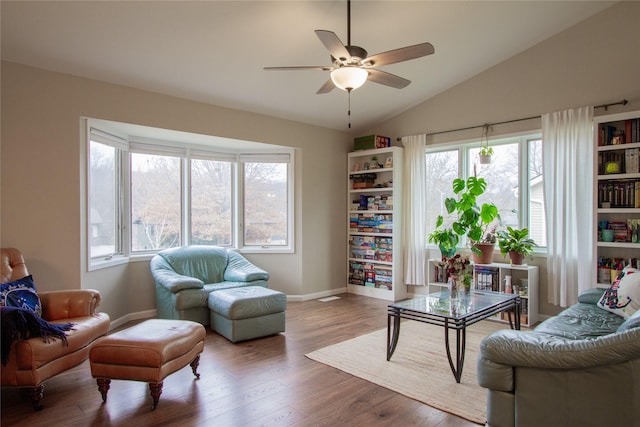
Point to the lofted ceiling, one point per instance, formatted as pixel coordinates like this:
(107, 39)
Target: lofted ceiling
(215, 51)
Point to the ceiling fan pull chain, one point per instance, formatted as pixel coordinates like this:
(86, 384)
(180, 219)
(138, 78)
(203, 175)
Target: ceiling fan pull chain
(349, 108)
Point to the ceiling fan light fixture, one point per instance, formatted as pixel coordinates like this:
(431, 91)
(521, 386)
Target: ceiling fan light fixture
(349, 78)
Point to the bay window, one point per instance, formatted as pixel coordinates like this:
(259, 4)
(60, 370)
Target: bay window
(145, 194)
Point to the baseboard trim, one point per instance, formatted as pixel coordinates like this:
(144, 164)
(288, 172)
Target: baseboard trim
(147, 314)
(317, 295)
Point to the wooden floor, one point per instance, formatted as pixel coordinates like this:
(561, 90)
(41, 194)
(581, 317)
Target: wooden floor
(263, 382)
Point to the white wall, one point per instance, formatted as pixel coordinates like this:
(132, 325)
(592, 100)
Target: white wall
(594, 62)
(41, 183)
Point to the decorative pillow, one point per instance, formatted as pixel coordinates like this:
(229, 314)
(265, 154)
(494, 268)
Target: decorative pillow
(22, 294)
(631, 323)
(623, 297)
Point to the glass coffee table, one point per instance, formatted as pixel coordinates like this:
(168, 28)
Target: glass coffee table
(451, 313)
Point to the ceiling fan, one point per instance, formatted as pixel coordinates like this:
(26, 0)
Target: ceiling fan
(351, 67)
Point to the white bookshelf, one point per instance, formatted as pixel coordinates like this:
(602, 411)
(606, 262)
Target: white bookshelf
(374, 224)
(615, 208)
(491, 277)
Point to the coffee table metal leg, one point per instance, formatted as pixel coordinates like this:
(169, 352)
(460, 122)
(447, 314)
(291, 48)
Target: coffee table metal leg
(392, 340)
(516, 309)
(461, 340)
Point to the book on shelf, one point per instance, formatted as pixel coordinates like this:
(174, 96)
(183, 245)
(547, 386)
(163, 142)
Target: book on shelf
(619, 194)
(627, 131)
(631, 160)
(606, 134)
(486, 278)
(365, 274)
(632, 134)
(371, 248)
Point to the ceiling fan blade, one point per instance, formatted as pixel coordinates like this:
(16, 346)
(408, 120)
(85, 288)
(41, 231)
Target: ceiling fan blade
(333, 45)
(387, 79)
(310, 67)
(399, 55)
(326, 88)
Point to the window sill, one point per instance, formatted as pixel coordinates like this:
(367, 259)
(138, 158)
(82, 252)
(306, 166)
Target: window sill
(107, 263)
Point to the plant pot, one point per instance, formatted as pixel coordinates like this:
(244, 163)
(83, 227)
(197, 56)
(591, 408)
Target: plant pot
(484, 160)
(516, 258)
(447, 253)
(486, 256)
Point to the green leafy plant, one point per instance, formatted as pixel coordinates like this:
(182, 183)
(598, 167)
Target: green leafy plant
(515, 240)
(473, 221)
(486, 151)
(445, 238)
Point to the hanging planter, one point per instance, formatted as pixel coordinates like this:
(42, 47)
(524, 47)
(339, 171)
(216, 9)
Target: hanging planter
(485, 151)
(485, 159)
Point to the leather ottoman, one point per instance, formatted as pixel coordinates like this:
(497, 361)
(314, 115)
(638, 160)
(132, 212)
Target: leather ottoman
(149, 352)
(247, 312)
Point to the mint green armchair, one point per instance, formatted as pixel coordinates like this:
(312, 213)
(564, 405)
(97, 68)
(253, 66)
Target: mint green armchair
(185, 276)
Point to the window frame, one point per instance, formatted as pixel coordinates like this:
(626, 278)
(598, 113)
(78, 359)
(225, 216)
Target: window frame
(119, 143)
(465, 162)
(127, 144)
(257, 158)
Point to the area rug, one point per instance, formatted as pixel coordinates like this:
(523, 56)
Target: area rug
(419, 368)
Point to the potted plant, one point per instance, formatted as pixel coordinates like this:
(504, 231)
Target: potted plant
(485, 247)
(516, 243)
(472, 221)
(485, 151)
(445, 238)
(485, 155)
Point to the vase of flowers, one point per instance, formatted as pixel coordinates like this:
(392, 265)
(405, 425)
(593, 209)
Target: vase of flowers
(459, 279)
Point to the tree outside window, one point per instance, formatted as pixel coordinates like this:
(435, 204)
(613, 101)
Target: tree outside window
(155, 202)
(265, 203)
(211, 203)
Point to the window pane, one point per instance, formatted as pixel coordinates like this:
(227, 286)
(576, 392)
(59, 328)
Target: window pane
(265, 204)
(155, 202)
(442, 169)
(103, 224)
(211, 203)
(537, 224)
(502, 180)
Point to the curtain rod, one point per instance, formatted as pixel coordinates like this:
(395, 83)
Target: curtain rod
(605, 106)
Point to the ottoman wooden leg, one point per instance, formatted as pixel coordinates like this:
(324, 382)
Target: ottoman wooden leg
(194, 366)
(156, 391)
(103, 387)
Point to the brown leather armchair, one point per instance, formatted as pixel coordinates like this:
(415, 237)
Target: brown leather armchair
(31, 362)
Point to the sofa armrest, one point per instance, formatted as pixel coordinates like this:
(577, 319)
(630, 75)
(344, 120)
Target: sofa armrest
(165, 276)
(240, 270)
(538, 350)
(591, 296)
(66, 304)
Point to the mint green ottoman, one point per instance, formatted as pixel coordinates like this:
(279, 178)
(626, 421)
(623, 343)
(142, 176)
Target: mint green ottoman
(248, 312)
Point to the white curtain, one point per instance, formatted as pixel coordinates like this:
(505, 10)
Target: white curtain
(568, 193)
(414, 209)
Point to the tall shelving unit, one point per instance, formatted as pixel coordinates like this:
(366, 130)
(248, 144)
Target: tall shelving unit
(616, 192)
(374, 200)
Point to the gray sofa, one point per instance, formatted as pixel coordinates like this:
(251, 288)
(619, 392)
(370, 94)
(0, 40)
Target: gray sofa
(579, 368)
(185, 276)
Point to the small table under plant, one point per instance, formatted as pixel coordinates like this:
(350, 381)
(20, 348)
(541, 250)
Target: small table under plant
(451, 313)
